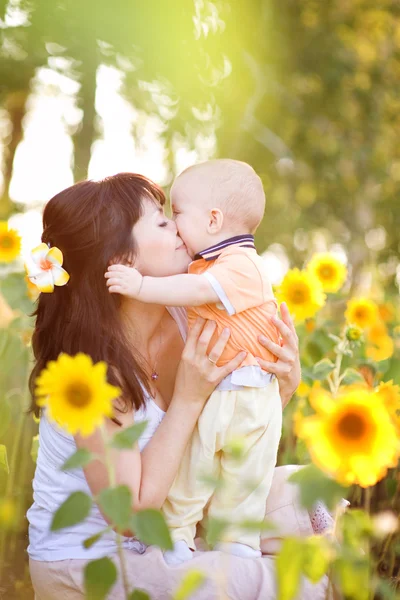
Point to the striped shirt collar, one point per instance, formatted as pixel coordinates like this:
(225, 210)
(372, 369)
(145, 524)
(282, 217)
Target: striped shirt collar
(212, 253)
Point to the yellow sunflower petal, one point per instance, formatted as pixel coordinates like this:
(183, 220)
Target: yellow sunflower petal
(362, 312)
(10, 243)
(381, 349)
(76, 393)
(355, 441)
(302, 292)
(330, 271)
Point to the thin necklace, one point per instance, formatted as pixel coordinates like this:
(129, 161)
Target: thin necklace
(154, 375)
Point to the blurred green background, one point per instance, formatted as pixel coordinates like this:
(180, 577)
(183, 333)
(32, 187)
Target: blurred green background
(306, 91)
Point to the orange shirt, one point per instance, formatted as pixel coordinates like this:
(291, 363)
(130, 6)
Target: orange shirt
(239, 277)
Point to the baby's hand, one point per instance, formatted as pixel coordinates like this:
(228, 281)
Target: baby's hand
(123, 280)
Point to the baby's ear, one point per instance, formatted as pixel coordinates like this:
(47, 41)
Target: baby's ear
(215, 220)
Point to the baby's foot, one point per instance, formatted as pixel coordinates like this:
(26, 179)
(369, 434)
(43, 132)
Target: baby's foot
(180, 554)
(238, 550)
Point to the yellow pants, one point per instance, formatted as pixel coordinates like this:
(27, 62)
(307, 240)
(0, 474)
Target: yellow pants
(251, 417)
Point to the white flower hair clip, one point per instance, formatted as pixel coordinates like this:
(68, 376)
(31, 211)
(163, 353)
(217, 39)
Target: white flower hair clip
(44, 268)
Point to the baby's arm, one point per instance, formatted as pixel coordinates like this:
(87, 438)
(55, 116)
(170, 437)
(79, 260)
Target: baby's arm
(177, 290)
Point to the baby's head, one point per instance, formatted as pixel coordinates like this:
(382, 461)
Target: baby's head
(216, 200)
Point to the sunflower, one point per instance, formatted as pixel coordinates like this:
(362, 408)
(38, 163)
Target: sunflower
(329, 270)
(387, 312)
(389, 393)
(302, 292)
(361, 312)
(376, 331)
(319, 397)
(10, 243)
(303, 390)
(380, 345)
(351, 437)
(75, 393)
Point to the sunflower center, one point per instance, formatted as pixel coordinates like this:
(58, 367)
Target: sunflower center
(326, 272)
(352, 427)
(361, 313)
(298, 295)
(78, 395)
(45, 265)
(6, 241)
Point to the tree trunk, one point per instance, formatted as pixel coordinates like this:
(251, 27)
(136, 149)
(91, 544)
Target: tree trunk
(15, 105)
(85, 135)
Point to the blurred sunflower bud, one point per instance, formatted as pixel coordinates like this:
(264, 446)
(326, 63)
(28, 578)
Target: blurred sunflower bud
(354, 334)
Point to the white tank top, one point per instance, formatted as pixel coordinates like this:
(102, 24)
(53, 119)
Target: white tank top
(51, 487)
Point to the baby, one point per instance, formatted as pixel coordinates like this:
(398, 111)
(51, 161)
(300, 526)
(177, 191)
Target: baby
(217, 206)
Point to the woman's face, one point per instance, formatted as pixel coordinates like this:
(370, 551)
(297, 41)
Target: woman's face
(161, 251)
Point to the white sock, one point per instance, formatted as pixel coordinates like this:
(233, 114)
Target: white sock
(180, 554)
(238, 550)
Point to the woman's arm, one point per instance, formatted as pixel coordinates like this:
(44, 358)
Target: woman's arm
(287, 368)
(150, 474)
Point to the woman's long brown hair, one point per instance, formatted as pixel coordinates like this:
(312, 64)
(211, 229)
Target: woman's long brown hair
(91, 223)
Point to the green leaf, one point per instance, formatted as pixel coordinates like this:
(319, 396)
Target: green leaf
(322, 369)
(354, 577)
(3, 459)
(356, 527)
(117, 505)
(307, 376)
(74, 510)
(150, 527)
(215, 483)
(100, 576)
(125, 439)
(262, 526)
(139, 595)
(79, 459)
(316, 557)
(352, 376)
(235, 448)
(191, 582)
(289, 564)
(5, 416)
(215, 528)
(90, 541)
(315, 485)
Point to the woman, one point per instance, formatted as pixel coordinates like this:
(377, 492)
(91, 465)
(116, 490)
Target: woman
(163, 380)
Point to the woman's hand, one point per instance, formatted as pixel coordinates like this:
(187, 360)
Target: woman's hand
(287, 368)
(198, 375)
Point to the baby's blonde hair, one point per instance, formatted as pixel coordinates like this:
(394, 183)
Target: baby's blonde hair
(234, 187)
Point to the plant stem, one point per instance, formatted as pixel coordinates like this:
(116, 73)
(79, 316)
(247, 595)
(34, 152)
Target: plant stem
(111, 475)
(338, 365)
(13, 463)
(367, 508)
(367, 500)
